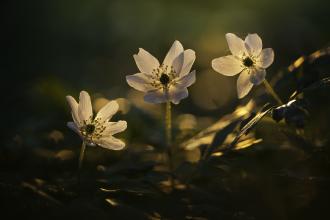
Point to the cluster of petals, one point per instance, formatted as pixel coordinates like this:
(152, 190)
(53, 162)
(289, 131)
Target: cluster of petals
(96, 130)
(248, 58)
(167, 81)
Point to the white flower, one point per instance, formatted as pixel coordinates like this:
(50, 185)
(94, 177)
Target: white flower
(167, 81)
(98, 130)
(248, 58)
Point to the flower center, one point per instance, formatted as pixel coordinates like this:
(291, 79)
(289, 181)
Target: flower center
(90, 128)
(248, 62)
(164, 79)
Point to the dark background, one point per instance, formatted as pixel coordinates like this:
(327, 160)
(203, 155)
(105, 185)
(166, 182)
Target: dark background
(54, 48)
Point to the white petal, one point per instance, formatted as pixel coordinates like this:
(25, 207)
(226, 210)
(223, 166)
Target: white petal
(186, 80)
(115, 127)
(183, 62)
(227, 65)
(253, 44)
(156, 96)
(257, 76)
(178, 63)
(110, 142)
(145, 61)
(140, 82)
(73, 127)
(85, 110)
(74, 109)
(243, 84)
(266, 58)
(176, 94)
(189, 57)
(107, 111)
(236, 45)
(173, 53)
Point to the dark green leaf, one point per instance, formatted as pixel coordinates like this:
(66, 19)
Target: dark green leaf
(221, 136)
(246, 129)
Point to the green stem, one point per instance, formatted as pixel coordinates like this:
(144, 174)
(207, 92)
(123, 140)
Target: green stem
(168, 129)
(81, 158)
(271, 91)
(168, 121)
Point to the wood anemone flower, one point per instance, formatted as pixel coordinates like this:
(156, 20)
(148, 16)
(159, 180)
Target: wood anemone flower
(248, 58)
(167, 81)
(96, 130)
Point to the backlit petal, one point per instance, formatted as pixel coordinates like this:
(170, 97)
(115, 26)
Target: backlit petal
(173, 53)
(156, 96)
(236, 45)
(115, 127)
(178, 63)
(253, 44)
(186, 80)
(266, 58)
(257, 75)
(243, 84)
(176, 94)
(189, 57)
(74, 109)
(227, 65)
(140, 82)
(110, 142)
(107, 111)
(145, 61)
(85, 110)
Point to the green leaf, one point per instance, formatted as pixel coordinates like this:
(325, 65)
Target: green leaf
(250, 125)
(220, 137)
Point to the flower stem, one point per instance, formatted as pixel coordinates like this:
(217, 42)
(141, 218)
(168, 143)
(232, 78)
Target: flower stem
(168, 122)
(271, 91)
(81, 158)
(168, 129)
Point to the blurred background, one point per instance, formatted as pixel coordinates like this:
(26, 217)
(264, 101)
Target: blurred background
(54, 48)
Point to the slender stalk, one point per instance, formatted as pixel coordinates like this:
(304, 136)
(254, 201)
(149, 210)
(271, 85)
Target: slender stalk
(81, 158)
(168, 130)
(168, 122)
(271, 91)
